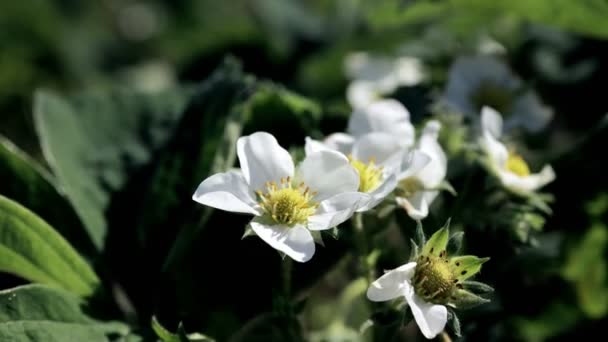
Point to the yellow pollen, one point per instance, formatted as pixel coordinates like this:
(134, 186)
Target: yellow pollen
(286, 204)
(517, 165)
(434, 280)
(370, 175)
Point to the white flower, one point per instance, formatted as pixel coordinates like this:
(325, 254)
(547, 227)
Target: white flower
(422, 173)
(376, 156)
(386, 116)
(379, 136)
(510, 168)
(374, 77)
(474, 82)
(431, 318)
(287, 203)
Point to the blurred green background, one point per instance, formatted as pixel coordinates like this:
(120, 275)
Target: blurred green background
(555, 291)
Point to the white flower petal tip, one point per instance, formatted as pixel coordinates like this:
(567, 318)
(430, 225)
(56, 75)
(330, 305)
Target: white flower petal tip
(296, 242)
(491, 122)
(416, 207)
(430, 318)
(263, 160)
(388, 116)
(432, 128)
(392, 284)
(226, 191)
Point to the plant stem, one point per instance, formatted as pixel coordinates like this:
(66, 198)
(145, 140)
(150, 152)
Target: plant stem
(287, 267)
(362, 248)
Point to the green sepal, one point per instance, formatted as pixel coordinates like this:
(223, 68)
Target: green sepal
(413, 250)
(419, 235)
(438, 241)
(317, 237)
(477, 287)
(455, 243)
(180, 336)
(446, 186)
(454, 323)
(248, 232)
(463, 299)
(466, 266)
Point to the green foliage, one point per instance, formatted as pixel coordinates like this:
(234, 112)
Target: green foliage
(586, 268)
(93, 140)
(33, 250)
(583, 16)
(35, 188)
(36, 313)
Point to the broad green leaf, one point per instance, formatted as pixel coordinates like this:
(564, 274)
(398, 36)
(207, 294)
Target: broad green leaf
(93, 141)
(438, 241)
(466, 266)
(36, 313)
(33, 250)
(26, 182)
(586, 268)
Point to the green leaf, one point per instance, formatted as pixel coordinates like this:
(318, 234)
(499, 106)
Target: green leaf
(92, 142)
(466, 266)
(26, 182)
(33, 250)
(36, 313)
(586, 268)
(438, 241)
(584, 16)
(466, 300)
(286, 115)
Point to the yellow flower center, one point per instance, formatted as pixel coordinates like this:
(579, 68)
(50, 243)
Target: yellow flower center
(434, 280)
(287, 204)
(517, 165)
(409, 186)
(370, 175)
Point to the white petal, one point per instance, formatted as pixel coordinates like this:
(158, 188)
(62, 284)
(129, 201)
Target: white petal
(361, 94)
(413, 162)
(388, 116)
(312, 146)
(263, 160)
(529, 183)
(226, 191)
(328, 173)
(337, 209)
(296, 242)
(385, 149)
(392, 284)
(434, 172)
(496, 151)
(431, 318)
(416, 206)
(340, 142)
(379, 194)
(409, 71)
(491, 122)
